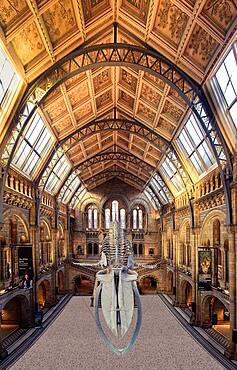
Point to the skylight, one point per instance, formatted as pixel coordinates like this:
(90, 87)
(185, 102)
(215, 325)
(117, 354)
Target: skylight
(69, 188)
(33, 146)
(192, 142)
(9, 80)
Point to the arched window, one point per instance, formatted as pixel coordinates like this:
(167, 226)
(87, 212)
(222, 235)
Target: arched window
(140, 219)
(137, 218)
(123, 218)
(115, 210)
(216, 233)
(187, 234)
(95, 216)
(90, 218)
(134, 221)
(107, 218)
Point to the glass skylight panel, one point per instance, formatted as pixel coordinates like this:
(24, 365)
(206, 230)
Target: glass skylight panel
(69, 188)
(151, 197)
(192, 142)
(36, 140)
(77, 196)
(58, 174)
(170, 172)
(8, 78)
(226, 77)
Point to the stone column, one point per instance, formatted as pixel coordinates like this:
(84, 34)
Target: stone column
(3, 351)
(231, 351)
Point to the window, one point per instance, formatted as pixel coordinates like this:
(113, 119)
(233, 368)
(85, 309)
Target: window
(152, 197)
(226, 77)
(140, 219)
(8, 79)
(170, 172)
(115, 210)
(137, 218)
(95, 216)
(192, 142)
(160, 189)
(216, 233)
(71, 185)
(32, 147)
(123, 218)
(117, 213)
(92, 216)
(107, 218)
(58, 173)
(134, 222)
(77, 197)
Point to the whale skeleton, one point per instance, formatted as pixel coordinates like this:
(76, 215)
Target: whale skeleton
(117, 288)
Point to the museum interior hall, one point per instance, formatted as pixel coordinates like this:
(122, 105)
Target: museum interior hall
(118, 183)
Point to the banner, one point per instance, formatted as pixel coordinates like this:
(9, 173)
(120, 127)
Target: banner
(204, 266)
(25, 261)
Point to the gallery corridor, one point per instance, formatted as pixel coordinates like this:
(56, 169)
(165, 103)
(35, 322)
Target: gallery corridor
(72, 342)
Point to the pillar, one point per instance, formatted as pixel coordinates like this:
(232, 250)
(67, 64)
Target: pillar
(231, 351)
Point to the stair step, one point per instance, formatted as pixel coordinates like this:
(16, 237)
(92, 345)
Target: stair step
(13, 337)
(218, 337)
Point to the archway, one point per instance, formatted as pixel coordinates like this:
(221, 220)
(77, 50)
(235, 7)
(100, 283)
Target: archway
(83, 286)
(148, 285)
(216, 315)
(44, 294)
(15, 314)
(186, 294)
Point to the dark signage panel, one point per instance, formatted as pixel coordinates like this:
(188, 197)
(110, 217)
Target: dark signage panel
(25, 260)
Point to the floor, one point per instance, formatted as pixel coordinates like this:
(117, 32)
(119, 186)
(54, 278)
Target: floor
(72, 342)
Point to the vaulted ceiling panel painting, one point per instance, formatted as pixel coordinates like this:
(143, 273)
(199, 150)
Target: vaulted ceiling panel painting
(116, 101)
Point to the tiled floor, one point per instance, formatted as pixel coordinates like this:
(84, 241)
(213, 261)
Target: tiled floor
(72, 342)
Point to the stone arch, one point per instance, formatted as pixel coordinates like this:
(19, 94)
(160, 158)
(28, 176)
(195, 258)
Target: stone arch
(114, 195)
(139, 201)
(186, 291)
(83, 285)
(24, 236)
(207, 230)
(44, 293)
(17, 311)
(86, 202)
(148, 284)
(211, 305)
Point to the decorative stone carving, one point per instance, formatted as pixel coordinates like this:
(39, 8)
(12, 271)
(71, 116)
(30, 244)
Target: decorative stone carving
(9, 10)
(28, 43)
(201, 47)
(129, 79)
(146, 112)
(137, 8)
(150, 95)
(221, 12)
(170, 21)
(172, 112)
(59, 19)
(165, 126)
(102, 80)
(104, 99)
(126, 99)
(79, 93)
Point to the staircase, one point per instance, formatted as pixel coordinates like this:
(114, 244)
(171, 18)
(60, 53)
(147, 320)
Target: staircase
(13, 337)
(218, 337)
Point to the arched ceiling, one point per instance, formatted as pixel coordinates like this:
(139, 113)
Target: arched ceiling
(191, 34)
